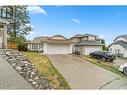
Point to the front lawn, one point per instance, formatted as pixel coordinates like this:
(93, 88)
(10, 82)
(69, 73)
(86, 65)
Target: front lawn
(105, 65)
(43, 64)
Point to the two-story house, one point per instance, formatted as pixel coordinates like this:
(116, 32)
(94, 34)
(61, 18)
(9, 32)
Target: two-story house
(119, 46)
(85, 44)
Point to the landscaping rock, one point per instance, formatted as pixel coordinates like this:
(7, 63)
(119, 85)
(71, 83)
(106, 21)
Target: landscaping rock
(25, 68)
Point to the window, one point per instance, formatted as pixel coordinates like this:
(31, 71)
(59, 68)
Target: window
(116, 50)
(110, 49)
(35, 46)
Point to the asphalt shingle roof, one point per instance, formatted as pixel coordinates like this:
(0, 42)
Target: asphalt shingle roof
(121, 43)
(88, 43)
(124, 36)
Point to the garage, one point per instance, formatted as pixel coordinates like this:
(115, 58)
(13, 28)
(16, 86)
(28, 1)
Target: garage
(57, 48)
(88, 50)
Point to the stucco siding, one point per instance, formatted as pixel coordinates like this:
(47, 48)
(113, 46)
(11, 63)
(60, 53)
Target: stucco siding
(75, 40)
(84, 38)
(91, 38)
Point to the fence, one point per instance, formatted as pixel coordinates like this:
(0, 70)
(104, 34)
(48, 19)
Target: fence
(12, 45)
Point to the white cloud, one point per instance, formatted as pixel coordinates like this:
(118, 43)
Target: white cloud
(29, 25)
(101, 36)
(36, 10)
(75, 20)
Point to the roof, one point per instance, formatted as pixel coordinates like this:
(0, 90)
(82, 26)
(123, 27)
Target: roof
(124, 36)
(58, 36)
(88, 43)
(40, 38)
(53, 39)
(78, 35)
(121, 43)
(82, 35)
(57, 41)
(89, 35)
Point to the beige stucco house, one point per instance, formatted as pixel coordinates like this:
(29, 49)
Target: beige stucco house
(3, 33)
(56, 44)
(85, 44)
(119, 46)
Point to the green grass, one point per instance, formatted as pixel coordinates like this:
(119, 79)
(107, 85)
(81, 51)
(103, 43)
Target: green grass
(125, 59)
(105, 65)
(43, 64)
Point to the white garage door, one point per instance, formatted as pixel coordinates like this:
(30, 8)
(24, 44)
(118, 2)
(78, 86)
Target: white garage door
(57, 49)
(88, 50)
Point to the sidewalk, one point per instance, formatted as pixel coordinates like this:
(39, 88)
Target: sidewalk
(10, 78)
(120, 83)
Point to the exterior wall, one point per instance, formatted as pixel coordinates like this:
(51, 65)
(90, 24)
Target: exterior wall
(70, 48)
(91, 38)
(79, 49)
(117, 49)
(75, 40)
(1, 38)
(89, 49)
(121, 39)
(84, 38)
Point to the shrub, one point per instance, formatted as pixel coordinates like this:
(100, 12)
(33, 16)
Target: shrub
(22, 47)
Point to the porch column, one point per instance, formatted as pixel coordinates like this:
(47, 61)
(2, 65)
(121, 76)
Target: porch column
(30, 46)
(45, 48)
(38, 48)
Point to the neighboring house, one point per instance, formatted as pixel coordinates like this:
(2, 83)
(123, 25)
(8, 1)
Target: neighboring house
(3, 33)
(85, 44)
(119, 46)
(56, 44)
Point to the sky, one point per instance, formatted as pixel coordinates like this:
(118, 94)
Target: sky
(106, 22)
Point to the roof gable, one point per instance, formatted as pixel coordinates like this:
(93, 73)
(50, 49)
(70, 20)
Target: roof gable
(121, 43)
(122, 36)
(58, 37)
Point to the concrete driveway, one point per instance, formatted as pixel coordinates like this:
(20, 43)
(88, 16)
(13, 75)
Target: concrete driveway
(118, 62)
(81, 74)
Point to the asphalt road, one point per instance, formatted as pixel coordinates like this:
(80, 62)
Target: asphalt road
(81, 74)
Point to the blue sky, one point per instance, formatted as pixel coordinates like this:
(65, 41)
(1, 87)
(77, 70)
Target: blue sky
(107, 22)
